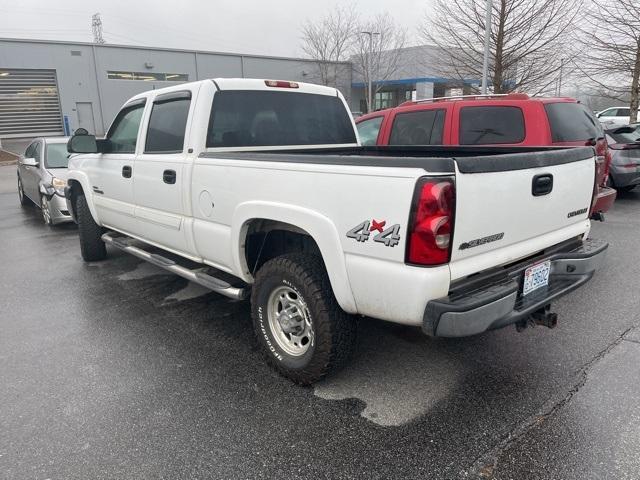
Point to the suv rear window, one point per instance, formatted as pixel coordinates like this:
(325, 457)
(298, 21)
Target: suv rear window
(247, 118)
(491, 125)
(571, 122)
(423, 127)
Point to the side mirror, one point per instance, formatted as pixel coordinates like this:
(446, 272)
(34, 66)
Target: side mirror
(30, 162)
(82, 144)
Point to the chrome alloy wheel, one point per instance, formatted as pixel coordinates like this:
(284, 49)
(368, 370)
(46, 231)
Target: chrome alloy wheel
(290, 321)
(20, 190)
(46, 211)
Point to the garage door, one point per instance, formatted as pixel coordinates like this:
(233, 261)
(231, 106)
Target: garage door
(29, 103)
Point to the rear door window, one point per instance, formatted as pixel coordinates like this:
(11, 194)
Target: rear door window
(422, 127)
(490, 125)
(253, 118)
(623, 112)
(168, 123)
(571, 122)
(369, 129)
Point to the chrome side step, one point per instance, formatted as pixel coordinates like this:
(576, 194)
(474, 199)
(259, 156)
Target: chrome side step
(215, 284)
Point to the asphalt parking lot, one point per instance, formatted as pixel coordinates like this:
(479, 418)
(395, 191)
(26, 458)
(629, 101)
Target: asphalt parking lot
(118, 370)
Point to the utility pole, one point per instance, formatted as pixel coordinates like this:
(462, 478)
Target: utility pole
(96, 27)
(369, 72)
(559, 92)
(487, 35)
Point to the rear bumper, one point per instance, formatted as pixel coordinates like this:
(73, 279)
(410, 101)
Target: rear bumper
(625, 178)
(498, 301)
(606, 197)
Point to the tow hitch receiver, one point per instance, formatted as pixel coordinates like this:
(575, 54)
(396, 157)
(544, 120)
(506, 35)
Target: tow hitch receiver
(542, 316)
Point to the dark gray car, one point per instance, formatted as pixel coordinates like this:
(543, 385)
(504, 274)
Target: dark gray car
(42, 176)
(624, 145)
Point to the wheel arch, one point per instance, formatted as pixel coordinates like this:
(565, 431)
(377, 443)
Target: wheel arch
(286, 229)
(79, 184)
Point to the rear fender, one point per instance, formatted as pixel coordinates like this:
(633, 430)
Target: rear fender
(319, 227)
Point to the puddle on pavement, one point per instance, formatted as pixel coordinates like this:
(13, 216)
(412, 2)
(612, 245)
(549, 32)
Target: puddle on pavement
(399, 378)
(143, 270)
(191, 290)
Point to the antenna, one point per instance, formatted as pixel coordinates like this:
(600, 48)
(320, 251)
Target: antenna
(96, 27)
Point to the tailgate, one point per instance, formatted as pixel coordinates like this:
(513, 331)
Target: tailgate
(511, 206)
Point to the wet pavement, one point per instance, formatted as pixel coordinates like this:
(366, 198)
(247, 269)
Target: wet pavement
(118, 370)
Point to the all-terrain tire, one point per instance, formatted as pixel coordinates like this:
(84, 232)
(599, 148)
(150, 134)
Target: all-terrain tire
(92, 247)
(333, 330)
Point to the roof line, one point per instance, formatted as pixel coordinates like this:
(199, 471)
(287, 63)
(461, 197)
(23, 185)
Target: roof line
(182, 50)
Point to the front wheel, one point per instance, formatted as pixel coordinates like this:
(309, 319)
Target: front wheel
(24, 201)
(302, 330)
(45, 208)
(91, 245)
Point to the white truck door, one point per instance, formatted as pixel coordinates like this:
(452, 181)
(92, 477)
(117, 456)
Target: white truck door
(162, 171)
(111, 172)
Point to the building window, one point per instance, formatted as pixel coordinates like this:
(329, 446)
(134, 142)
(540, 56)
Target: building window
(149, 76)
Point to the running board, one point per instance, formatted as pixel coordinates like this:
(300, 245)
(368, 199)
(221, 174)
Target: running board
(195, 276)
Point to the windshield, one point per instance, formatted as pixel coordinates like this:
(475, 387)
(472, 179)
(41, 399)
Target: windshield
(626, 137)
(57, 155)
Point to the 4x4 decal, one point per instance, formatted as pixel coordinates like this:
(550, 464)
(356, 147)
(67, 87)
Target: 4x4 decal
(390, 237)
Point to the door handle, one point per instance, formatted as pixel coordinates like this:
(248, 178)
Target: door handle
(126, 171)
(169, 176)
(542, 185)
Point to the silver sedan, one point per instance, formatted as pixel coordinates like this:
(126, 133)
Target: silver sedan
(42, 176)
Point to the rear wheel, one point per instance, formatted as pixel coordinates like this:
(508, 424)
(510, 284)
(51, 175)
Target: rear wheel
(24, 201)
(91, 245)
(302, 330)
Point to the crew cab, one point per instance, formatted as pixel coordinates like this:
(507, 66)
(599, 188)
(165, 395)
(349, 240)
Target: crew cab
(261, 188)
(511, 119)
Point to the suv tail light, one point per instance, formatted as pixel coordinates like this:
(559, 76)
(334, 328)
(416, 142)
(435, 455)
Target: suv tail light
(431, 221)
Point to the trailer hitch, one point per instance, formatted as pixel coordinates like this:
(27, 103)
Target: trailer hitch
(543, 316)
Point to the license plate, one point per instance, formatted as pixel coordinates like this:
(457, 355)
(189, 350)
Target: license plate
(536, 276)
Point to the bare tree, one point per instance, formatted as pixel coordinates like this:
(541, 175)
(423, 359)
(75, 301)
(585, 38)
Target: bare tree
(527, 40)
(378, 55)
(610, 53)
(329, 41)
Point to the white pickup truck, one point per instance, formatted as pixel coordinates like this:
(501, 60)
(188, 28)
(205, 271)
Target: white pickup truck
(261, 187)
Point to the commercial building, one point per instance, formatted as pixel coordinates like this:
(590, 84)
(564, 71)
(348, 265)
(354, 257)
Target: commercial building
(52, 88)
(418, 75)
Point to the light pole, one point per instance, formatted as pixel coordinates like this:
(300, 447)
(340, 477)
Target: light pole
(369, 56)
(485, 63)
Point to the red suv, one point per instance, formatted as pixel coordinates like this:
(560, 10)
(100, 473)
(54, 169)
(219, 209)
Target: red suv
(508, 120)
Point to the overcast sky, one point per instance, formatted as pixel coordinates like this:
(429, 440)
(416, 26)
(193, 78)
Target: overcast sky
(243, 26)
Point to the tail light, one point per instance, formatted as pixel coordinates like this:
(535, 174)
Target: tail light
(431, 222)
(281, 84)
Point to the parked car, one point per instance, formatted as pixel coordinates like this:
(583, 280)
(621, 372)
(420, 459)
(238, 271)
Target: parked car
(624, 143)
(246, 185)
(42, 176)
(614, 117)
(514, 119)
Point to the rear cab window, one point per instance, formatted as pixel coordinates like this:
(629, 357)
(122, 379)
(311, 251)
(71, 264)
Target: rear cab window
(419, 127)
(491, 125)
(257, 118)
(572, 122)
